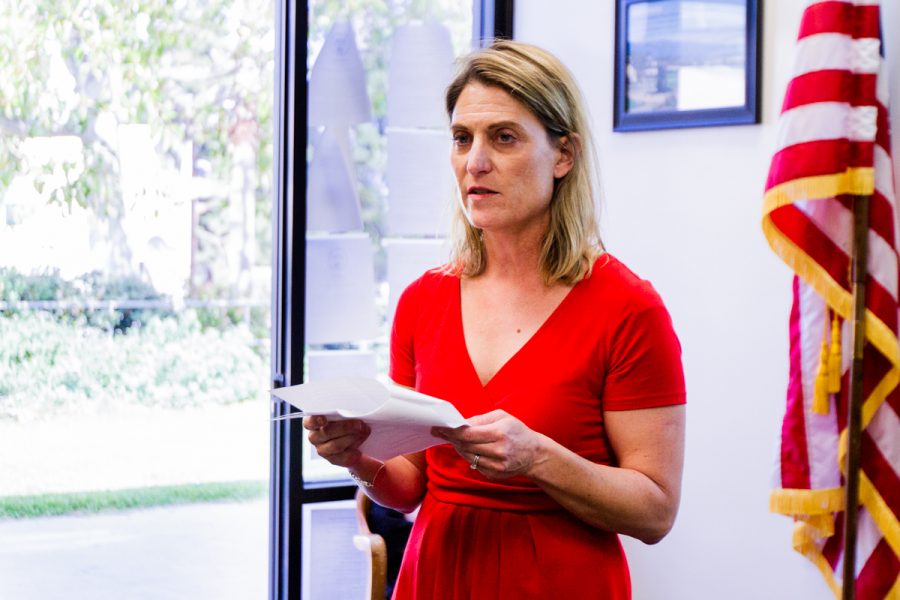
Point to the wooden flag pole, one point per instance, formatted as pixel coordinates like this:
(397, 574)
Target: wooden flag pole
(854, 408)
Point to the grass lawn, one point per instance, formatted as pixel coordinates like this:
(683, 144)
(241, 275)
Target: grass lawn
(134, 459)
(44, 505)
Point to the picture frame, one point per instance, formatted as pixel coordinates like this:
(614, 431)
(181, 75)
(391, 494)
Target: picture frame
(686, 63)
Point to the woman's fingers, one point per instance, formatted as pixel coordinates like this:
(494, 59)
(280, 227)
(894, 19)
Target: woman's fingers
(314, 422)
(504, 445)
(338, 441)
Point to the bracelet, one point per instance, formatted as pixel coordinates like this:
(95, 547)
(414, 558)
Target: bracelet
(363, 482)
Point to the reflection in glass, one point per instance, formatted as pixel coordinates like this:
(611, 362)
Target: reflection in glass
(390, 168)
(685, 55)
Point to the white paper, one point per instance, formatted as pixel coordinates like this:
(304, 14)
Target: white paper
(421, 67)
(337, 81)
(327, 364)
(420, 181)
(340, 289)
(407, 260)
(400, 419)
(332, 201)
(333, 568)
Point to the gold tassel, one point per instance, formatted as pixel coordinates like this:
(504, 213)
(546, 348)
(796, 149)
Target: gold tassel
(820, 392)
(834, 357)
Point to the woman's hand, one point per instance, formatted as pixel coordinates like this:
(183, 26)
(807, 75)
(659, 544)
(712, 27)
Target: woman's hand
(638, 497)
(337, 441)
(505, 446)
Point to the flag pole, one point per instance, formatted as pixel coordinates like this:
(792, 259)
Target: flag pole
(854, 405)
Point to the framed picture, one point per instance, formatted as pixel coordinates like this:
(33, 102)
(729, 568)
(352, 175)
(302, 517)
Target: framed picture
(686, 63)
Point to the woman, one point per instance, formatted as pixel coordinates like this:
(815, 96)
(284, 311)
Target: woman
(563, 361)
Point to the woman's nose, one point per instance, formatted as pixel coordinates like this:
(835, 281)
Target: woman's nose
(478, 160)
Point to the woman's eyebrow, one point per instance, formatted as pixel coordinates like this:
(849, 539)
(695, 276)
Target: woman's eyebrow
(491, 126)
(505, 125)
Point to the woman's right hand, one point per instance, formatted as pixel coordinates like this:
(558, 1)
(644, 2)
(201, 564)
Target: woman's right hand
(337, 441)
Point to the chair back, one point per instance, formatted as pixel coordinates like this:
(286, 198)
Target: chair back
(373, 544)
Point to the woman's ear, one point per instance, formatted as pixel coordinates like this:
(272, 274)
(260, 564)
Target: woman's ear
(569, 148)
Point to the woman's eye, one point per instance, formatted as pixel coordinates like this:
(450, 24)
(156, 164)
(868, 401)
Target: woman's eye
(460, 139)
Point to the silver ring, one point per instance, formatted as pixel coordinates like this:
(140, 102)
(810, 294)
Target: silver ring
(475, 460)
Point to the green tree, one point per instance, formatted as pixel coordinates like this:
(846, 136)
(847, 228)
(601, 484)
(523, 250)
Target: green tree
(198, 71)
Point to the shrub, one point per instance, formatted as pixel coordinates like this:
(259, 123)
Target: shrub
(50, 367)
(93, 286)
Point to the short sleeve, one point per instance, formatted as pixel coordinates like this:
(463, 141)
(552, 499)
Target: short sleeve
(644, 368)
(402, 369)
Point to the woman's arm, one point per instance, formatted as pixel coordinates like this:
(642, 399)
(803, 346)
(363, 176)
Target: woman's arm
(639, 497)
(398, 483)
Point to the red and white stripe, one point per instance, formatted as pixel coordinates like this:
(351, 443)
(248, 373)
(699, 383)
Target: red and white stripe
(834, 143)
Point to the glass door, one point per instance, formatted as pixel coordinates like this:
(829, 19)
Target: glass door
(135, 291)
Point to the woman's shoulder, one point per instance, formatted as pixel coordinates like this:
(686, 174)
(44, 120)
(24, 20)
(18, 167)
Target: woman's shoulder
(433, 281)
(613, 281)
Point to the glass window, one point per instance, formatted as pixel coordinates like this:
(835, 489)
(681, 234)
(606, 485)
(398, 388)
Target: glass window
(135, 270)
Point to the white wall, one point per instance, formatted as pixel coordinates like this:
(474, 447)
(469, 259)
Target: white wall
(682, 208)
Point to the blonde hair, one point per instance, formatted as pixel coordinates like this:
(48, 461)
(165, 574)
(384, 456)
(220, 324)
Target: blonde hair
(542, 84)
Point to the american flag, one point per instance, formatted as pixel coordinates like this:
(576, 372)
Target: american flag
(834, 143)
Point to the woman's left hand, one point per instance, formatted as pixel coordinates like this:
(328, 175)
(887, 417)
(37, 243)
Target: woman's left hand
(504, 446)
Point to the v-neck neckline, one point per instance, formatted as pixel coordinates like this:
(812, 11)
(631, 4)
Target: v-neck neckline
(460, 327)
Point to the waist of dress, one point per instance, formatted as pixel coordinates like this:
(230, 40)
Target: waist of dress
(496, 499)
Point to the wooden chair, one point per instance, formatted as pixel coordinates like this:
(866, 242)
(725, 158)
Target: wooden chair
(373, 544)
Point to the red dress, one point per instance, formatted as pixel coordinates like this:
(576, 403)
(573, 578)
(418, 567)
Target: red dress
(608, 346)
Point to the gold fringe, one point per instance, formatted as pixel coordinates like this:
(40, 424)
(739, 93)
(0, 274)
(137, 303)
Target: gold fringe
(821, 562)
(805, 539)
(839, 299)
(855, 180)
(810, 502)
(894, 593)
(800, 503)
(879, 394)
(878, 509)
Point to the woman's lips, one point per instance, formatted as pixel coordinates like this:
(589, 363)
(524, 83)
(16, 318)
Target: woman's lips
(476, 192)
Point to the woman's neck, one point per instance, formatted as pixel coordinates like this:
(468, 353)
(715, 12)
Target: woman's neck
(513, 257)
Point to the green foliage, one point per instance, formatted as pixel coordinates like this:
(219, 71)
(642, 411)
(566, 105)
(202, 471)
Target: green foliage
(15, 286)
(49, 367)
(198, 72)
(18, 507)
(90, 287)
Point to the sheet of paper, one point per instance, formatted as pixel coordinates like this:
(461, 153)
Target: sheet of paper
(400, 419)
(340, 289)
(420, 182)
(337, 81)
(333, 568)
(407, 259)
(327, 364)
(421, 67)
(332, 201)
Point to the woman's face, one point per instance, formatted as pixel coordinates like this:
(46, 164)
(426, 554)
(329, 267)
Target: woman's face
(504, 161)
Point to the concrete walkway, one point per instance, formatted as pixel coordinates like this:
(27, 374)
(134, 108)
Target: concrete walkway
(216, 551)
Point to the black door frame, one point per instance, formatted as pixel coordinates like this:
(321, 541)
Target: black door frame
(288, 494)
